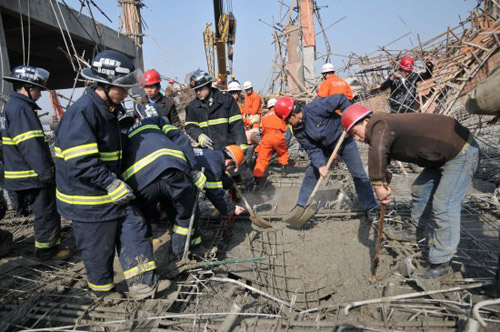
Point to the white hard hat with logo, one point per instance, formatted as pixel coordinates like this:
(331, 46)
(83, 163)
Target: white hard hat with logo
(327, 68)
(247, 85)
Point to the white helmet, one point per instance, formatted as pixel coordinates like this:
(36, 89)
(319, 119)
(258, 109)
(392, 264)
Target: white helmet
(234, 86)
(247, 85)
(271, 102)
(327, 68)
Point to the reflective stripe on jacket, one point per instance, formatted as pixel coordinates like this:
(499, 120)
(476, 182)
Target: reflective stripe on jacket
(214, 163)
(222, 121)
(27, 157)
(151, 147)
(88, 158)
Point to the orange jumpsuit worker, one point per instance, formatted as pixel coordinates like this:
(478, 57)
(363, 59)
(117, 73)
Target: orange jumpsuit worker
(332, 84)
(273, 131)
(253, 107)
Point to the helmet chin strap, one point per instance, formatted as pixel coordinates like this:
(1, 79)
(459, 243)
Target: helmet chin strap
(27, 88)
(110, 102)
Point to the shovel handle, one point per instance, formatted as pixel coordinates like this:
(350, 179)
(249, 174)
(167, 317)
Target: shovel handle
(191, 223)
(333, 156)
(379, 240)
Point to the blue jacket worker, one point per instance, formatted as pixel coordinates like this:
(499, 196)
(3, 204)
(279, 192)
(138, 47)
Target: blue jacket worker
(317, 128)
(29, 168)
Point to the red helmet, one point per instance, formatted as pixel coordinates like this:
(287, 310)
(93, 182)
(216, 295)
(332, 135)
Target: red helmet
(284, 106)
(353, 114)
(152, 77)
(171, 81)
(407, 63)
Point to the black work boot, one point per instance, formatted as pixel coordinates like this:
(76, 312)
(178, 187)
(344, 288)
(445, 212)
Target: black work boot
(5, 242)
(434, 271)
(408, 234)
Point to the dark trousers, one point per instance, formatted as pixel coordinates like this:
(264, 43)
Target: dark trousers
(98, 241)
(18, 202)
(350, 155)
(177, 192)
(47, 222)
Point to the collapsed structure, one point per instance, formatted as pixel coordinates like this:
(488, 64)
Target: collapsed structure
(315, 278)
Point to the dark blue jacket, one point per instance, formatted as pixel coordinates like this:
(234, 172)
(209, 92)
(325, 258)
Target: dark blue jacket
(214, 163)
(222, 121)
(88, 157)
(27, 158)
(152, 146)
(321, 127)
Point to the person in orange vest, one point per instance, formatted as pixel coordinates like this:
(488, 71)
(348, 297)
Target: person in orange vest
(273, 131)
(332, 84)
(253, 107)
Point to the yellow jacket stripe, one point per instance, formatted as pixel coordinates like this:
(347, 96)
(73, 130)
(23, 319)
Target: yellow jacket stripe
(46, 245)
(166, 128)
(200, 181)
(139, 269)
(110, 156)
(181, 230)
(27, 135)
(92, 200)
(149, 159)
(101, 288)
(196, 241)
(20, 174)
(77, 151)
(235, 118)
(213, 185)
(141, 128)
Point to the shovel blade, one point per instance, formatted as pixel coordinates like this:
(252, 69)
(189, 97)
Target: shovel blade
(304, 218)
(259, 222)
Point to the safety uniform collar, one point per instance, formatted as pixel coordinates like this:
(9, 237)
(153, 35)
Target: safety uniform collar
(215, 94)
(102, 106)
(33, 104)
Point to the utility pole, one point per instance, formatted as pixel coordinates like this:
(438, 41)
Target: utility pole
(220, 46)
(306, 12)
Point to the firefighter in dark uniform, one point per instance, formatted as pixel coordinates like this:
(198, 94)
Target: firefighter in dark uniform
(89, 190)
(29, 168)
(216, 163)
(159, 165)
(213, 119)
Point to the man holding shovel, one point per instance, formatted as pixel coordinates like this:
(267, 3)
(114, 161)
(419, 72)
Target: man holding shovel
(318, 130)
(449, 155)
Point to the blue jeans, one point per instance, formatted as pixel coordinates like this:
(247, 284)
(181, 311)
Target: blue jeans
(350, 155)
(443, 190)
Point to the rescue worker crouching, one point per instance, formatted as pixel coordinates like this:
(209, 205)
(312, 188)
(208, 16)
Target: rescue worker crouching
(449, 155)
(29, 168)
(216, 164)
(89, 191)
(273, 138)
(160, 166)
(213, 119)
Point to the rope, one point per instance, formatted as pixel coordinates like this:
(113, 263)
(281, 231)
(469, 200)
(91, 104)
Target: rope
(29, 34)
(69, 35)
(22, 31)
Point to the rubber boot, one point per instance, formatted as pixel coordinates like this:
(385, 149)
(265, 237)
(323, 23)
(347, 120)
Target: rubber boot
(55, 253)
(141, 291)
(5, 242)
(435, 271)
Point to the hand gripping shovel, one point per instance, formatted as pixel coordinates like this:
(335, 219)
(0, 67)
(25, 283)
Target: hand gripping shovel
(254, 218)
(309, 212)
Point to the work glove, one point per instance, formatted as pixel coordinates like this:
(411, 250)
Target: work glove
(199, 179)
(205, 141)
(120, 192)
(254, 119)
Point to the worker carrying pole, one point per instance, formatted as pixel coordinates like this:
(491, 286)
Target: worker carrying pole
(449, 155)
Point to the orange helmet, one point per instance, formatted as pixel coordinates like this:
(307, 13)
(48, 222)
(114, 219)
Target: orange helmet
(152, 77)
(407, 63)
(236, 153)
